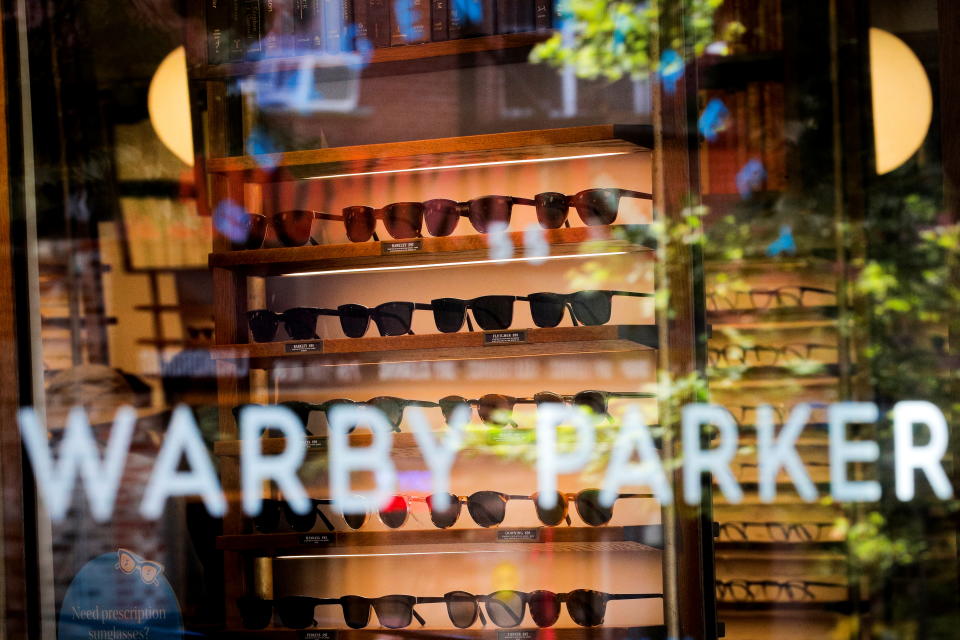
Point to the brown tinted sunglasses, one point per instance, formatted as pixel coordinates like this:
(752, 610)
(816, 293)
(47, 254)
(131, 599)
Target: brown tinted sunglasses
(292, 228)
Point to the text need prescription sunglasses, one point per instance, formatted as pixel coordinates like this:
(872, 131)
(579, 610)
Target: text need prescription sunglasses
(495, 313)
(489, 508)
(495, 408)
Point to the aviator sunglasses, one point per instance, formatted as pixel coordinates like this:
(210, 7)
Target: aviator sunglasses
(493, 408)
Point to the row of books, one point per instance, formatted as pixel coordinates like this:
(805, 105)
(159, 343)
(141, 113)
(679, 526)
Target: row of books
(240, 30)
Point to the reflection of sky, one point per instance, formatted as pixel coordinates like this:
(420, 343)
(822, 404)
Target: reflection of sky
(750, 178)
(671, 70)
(230, 219)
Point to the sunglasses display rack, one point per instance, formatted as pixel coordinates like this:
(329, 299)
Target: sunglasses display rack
(775, 336)
(377, 229)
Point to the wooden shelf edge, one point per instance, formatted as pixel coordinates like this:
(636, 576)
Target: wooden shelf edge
(447, 346)
(475, 247)
(473, 143)
(647, 538)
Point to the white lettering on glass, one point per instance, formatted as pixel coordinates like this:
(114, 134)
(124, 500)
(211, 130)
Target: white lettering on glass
(843, 451)
(774, 453)
(910, 457)
(550, 462)
(78, 454)
(439, 456)
(183, 439)
(345, 459)
(635, 437)
(717, 460)
(256, 468)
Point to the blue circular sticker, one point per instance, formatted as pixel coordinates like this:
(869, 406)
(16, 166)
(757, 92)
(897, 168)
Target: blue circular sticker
(120, 596)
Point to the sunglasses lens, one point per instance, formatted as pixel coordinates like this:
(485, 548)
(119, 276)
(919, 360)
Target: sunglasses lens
(449, 314)
(393, 318)
(263, 324)
(354, 319)
(505, 608)
(447, 517)
(449, 404)
(403, 219)
(552, 209)
(593, 400)
(587, 608)
(484, 211)
(495, 408)
(269, 518)
(544, 607)
(300, 522)
(597, 206)
(254, 612)
(546, 309)
(590, 509)
(293, 227)
(394, 612)
(390, 407)
(493, 313)
(462, 608)
(395, 513)
(255, 227)
(359, 222)
(547, 397)
(487, 508)
(551, 517)
(300, 323)
(591, 307)
(356, 611)
(296, 612)
(441, 216)
(355, 520)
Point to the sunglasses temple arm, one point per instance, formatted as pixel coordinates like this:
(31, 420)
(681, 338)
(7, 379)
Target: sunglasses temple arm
(634, 596)
(325, 520)
(318, 215)
(483, 620)
(418, 617)
(636, 194)
(573, 316)
(632, 294)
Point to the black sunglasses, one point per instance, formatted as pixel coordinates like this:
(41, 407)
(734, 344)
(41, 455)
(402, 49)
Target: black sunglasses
(391, 318)
(268, 520)
(489, 508)
(590, 308)
(492, 313)
(292, 228)
(595, 206)
(587, 608)
(495, 408)
(300, 323)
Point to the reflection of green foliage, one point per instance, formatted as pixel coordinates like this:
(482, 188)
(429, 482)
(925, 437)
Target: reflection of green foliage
(871, 549)
(604, 39)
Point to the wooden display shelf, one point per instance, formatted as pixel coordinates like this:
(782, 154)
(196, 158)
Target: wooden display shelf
(657, 632)
(381, 56)
(440, 152)
(831, 606)
(562, 538)
(785, 382)
(445, 346)
(776, 318)
(440, 251)
(781, 548)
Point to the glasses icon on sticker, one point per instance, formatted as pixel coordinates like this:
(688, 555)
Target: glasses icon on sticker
(128, 562)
